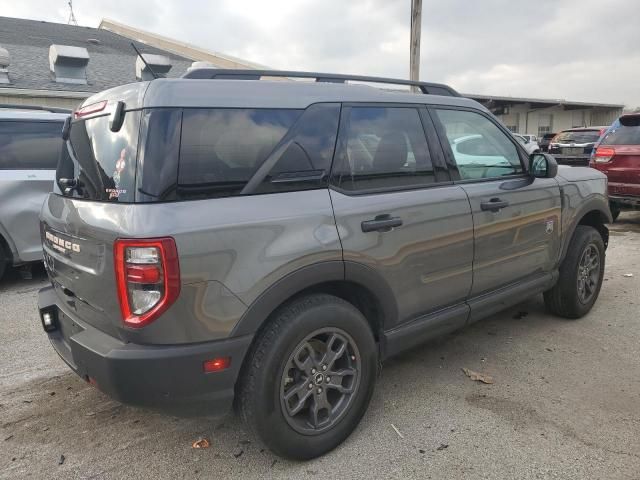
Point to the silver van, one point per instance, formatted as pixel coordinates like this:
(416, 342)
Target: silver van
(30, 146)
(225, 239)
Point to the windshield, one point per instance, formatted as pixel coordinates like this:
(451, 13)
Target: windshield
(101, 164)
(578, 136)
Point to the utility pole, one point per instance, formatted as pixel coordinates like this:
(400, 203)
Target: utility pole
(414, 47)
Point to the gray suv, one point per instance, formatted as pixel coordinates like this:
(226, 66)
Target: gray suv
(30, 146)
(223, 237)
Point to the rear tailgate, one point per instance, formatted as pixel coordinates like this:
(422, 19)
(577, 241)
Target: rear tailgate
(623, 170)
(78, 239)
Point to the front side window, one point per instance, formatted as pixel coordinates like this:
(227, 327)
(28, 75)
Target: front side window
(30, 145)
(221, 149)
(383, 147)
(479, 147)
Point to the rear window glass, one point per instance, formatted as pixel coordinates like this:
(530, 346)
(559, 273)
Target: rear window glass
(30, 145)
(579, 136)
(102, 162)
(221, 149)
(622, 135)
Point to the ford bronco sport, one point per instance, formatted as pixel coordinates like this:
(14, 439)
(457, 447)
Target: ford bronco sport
(225, 237)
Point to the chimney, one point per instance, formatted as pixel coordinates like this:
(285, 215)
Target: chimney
(68, 64)
(4, 66)
(158, 63)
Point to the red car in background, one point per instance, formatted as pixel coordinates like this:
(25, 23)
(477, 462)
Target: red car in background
(617, 155)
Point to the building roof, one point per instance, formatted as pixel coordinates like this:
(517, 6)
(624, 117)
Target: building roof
(111, 58)
(495, 101)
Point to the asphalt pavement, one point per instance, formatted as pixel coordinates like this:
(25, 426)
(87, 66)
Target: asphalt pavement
(565, 403)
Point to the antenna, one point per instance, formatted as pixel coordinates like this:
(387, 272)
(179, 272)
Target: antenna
(155, 75)
(72, 18)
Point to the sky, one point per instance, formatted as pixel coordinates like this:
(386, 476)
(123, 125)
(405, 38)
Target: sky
(579, 50)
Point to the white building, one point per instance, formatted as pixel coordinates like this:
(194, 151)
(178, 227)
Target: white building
(538, 116)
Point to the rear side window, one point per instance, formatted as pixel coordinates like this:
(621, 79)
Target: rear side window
(102, 162)
(221, 149)
(30, 145)
(383, 147)
(622, 135)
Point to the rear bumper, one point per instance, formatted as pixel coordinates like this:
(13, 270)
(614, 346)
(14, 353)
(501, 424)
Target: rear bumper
(169, 377)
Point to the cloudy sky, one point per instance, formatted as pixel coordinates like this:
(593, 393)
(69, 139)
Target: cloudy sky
(582, 50)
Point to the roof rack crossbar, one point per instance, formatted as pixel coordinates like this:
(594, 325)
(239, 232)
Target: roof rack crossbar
(219, 73)
(35, 107)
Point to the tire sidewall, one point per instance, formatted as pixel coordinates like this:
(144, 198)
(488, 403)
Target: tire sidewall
(584, 237)
(269, 420)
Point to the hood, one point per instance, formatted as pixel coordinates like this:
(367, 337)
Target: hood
(577, 174)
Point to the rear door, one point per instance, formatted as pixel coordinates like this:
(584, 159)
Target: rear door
(516, 219)
(80, 224)
(397, 212)
(29, 152)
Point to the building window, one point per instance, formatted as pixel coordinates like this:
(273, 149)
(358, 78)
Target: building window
(512, 128)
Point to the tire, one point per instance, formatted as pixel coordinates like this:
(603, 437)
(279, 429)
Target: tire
(565, 298)
(615, 211)
(4, 260)
(264, 383)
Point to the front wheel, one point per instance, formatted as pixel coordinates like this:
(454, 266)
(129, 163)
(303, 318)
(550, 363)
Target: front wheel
(581, 275)
(310, 376)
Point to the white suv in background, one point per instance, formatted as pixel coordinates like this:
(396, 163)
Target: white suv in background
(30, 144)
(529, 142)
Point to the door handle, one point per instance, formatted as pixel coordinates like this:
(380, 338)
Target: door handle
(382, 223)
(494, 205)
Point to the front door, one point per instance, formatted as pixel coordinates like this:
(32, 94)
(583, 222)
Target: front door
(516, 218)
(399, 216)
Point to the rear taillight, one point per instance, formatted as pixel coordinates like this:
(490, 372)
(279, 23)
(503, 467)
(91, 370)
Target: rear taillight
(603, 154)
(148, 278)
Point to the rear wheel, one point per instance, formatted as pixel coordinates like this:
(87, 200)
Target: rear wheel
(615, 211)
(310, 376)
(4, 260)
(581, 275)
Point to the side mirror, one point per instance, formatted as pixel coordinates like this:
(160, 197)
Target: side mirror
(542, 165)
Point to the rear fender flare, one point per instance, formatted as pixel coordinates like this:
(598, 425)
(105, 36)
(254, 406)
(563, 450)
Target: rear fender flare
(597, 204)
(310, 276)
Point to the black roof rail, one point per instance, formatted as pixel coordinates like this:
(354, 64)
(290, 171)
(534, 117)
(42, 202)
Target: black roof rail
(35, 107)
(235, 74)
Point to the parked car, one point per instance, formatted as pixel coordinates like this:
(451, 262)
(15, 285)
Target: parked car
(574, 146)
(30, 144)
(545, 140)
(217, 238)
(617, 155)
(530, 145)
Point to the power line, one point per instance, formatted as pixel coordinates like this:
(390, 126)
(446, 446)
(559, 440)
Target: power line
(72, 18)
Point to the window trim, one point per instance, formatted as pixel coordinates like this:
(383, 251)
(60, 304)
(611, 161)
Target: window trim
(448, 153)
(21, 120)
(340, 148)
